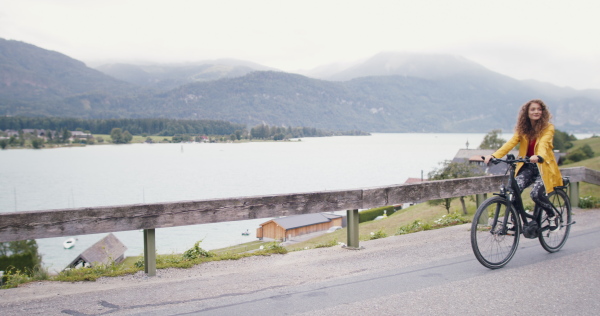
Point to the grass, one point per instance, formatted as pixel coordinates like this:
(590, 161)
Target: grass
(137, 139)
(421, 213)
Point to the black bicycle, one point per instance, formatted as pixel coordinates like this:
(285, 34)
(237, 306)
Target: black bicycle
(501, 219)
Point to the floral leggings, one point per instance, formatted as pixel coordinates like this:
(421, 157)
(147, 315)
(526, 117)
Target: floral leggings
(529, 174)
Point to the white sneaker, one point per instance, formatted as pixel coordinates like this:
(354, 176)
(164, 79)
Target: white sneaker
(553, 223)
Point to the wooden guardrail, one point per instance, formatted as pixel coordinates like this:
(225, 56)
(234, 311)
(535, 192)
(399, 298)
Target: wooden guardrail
(92, 220)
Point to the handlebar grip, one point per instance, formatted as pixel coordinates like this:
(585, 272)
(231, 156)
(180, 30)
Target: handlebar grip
(540, 159)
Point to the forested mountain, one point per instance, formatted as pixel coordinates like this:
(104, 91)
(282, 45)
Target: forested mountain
(405, 94)
(170, 76)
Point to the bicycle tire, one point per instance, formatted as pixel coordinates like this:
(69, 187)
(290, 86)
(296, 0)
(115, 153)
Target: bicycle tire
(553, 241)
(495, 245)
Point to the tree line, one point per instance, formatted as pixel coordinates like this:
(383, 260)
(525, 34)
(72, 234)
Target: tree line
(160, 127)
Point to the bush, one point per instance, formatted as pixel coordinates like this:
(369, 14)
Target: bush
(371, 214)
(589, 202)
(450, 219)
(579, 154)
(413, 227)
(196, 252)
(378, 234)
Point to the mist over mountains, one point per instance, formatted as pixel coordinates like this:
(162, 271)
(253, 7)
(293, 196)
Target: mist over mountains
(390, 92)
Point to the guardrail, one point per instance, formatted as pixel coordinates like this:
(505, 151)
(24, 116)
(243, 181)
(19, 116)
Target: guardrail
(92, 220)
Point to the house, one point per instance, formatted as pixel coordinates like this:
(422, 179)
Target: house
(473, 156)
(106, 251)
(80, 135)
(284, 228)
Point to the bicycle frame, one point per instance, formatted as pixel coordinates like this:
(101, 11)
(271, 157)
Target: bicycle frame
(512, 193)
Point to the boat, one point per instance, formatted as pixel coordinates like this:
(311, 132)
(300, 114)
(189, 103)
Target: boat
(246, 233)
(69, 243)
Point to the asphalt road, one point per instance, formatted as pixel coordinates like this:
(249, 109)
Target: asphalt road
(432, 272)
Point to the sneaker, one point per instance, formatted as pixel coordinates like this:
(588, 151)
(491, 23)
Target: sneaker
(553, 223)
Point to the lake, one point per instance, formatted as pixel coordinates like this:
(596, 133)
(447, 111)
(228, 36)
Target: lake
(105, 175)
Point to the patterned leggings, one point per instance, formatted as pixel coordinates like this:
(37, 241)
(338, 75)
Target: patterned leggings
(529, 174)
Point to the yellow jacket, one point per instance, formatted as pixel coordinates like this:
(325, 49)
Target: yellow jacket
(543, 147)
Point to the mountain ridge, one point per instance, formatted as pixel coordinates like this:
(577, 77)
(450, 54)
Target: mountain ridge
(390, 92)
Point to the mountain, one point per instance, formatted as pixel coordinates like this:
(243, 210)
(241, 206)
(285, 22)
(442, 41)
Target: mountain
(170, 76)
(26, 68)
(426, 66)
(36, 82)
(391, 92)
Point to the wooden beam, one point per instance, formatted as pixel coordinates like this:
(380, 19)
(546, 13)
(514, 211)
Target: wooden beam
(92, 220)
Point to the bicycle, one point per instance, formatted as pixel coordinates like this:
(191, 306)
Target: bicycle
(500, 220)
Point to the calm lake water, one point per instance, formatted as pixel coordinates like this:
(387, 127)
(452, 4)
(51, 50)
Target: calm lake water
(148, 173)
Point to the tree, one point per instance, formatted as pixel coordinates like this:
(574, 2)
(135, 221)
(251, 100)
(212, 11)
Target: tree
(116, 134)
(453, 170)
(127, 137)
(22, 255)
(492, 140)
(37, 143)
(562, 141)
(65, 135)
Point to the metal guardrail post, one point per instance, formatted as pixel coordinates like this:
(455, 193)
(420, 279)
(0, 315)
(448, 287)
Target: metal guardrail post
(479, 198)
(150, 252)
(574, 194)
(352, 216)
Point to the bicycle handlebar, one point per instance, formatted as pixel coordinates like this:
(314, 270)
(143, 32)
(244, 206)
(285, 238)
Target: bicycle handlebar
(510, 159)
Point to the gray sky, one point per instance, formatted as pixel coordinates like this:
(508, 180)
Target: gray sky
(549, 40)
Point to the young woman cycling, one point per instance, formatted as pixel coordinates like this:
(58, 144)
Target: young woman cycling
(534, 133)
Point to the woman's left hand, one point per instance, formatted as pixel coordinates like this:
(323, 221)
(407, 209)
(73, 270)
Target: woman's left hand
(534, 159)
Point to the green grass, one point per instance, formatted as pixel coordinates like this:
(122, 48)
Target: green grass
(586, 189)
(137, 139)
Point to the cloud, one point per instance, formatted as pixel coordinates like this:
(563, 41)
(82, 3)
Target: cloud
(545, 40)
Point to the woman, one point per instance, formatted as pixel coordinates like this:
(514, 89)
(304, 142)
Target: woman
(534, 133)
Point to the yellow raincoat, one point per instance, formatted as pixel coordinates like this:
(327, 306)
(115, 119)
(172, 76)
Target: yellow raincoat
(544, 148)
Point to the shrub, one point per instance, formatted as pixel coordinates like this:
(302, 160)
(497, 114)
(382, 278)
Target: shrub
(450, 219)
(378, 234)
(410, 228)
(371, 214)
(196, 252)
(579, 154)
(589, 202)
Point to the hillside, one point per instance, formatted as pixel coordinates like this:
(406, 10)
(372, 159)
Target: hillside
(170, 76)
(391, 92)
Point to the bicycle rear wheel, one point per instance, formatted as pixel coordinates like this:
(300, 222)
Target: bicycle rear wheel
(495, 240)
(550, 240)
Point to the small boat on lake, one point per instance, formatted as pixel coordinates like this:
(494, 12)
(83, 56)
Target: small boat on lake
(246, 233)
(69, 243)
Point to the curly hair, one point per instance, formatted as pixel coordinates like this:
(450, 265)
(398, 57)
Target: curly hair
(524, 124)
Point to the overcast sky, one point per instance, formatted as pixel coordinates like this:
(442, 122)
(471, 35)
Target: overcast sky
(552, 41)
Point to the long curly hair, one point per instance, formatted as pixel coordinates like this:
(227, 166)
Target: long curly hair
(524, 124)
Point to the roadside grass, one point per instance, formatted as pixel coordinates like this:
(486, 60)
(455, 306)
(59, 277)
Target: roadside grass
(401, 221)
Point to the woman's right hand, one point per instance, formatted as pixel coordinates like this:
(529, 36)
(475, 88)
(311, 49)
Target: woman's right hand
(486, 159)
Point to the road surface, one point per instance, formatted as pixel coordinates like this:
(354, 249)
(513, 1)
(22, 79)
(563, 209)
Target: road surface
(431, 272)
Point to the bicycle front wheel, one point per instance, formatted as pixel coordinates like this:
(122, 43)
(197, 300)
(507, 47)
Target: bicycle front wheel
(495, 232)
(553, 240)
